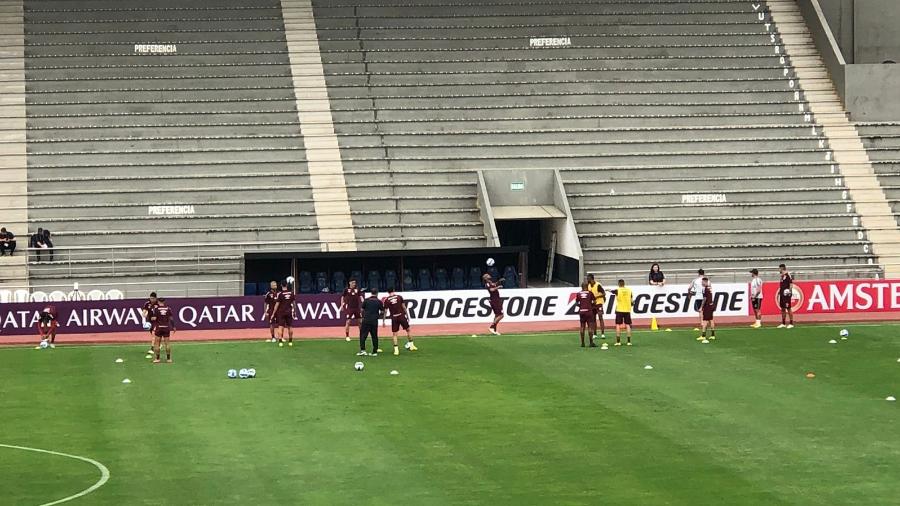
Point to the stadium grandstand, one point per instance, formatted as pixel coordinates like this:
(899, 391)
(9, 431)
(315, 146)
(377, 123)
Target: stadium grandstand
(171, 141)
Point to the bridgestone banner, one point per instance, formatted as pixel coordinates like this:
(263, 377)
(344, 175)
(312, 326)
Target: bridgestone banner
(444, 307)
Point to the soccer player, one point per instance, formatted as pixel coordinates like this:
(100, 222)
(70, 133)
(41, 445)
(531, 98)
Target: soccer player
(372, 311)
(599, 303)
(756, 285)
(271, 299)
(623, 311)
(395, 306)
(587, 313)
(147, 311)
(284, 314)
(350, 305)
(695, 292)
(708, 308)
(164, 319)
(47, 323)
(785, 290)
(493, 288)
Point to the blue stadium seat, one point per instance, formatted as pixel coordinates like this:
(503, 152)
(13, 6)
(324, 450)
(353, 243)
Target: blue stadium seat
(357, 275)
(321, 282)
(374, 280)
(495, 274)
(425, 279)
(441, 280)
(249, 288)
(262, 288)
(458, 279)
(390, 280)
(511, 276)
(475, 277)
(338, 282)
(408, 282)
(305, 282)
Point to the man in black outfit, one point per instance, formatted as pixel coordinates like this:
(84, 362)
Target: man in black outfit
(372, 312)
(7, 242)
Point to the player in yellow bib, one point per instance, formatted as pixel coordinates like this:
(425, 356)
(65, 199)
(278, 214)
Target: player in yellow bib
(599, 301)
(624, 303)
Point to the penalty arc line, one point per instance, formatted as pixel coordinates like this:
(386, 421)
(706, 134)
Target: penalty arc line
(104, 472)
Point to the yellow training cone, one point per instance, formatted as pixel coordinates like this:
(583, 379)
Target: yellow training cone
(653, 324)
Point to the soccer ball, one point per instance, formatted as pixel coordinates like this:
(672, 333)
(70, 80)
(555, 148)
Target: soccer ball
(359, 366)
(232, 373)
(251, 373)
(44, 345)
(244, 374)
(406, 346)
(290, 280)
(845, 333)
(147, 325)
(490, 262)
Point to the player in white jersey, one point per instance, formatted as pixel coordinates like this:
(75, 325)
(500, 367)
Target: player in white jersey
(695, 292)
(756, 284)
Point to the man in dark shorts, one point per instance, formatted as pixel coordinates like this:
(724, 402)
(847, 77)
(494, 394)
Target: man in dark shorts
(284, 314)
(147, 311)
(47, 323)
(785, 292)
(271, 299)
(164, 319)
(756, 295)
(395, 306)
(372, 311)
(493, 288)
(707, 309)
(351, 300)
(587, 313)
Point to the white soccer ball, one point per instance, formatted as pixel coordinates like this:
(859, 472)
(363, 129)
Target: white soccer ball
(44, 345)
(243, 374)
(845, 333)
(290, 279)
(147, 325)
(359, 366)
(490, 262)
(232, 373)
(251, 373)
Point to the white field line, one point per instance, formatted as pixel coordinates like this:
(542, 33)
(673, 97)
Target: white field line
(104, 472)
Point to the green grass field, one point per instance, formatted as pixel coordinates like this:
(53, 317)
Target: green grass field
(502, 420)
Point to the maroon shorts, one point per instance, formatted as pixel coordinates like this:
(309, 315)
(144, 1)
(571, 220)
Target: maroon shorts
(162, 333)
(284, 320)
(587, 316)
(708, 313)
(497, 308)
(399, 321)
(350, 314)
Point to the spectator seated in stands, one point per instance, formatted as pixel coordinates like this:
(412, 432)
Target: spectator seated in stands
(7, 242)
(36, 243)
(657, 278)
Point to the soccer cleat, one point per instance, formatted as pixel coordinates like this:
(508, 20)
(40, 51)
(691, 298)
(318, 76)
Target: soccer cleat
(396, 351)
(379, 350)
(617, 344)
(790, 326)
(150, 351)
(373, 354)
(602, 336)
(52, 345)
(412, 347)
(701, 338)
(348, 339)
(628, 343)
(782, 326)
(492, 330)
(712, 338)
(704, 341)
(37, 347)
(362, 353)
(168, 360)
(155, 360)
(595, 336)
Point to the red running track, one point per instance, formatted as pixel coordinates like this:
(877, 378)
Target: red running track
(430, 330)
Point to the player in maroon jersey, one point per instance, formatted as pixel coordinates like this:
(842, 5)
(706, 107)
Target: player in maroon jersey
(351, 305)
(785, 293)
(707, 308)
(271, 298)
(147, 311)
(493, 288)
(396, 307)
(47, 323)
(163, 328)
(284, 313)
(587, 311)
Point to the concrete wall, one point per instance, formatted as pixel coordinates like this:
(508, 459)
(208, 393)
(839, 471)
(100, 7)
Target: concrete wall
(867, 31)
(871, 92)
(538, 187)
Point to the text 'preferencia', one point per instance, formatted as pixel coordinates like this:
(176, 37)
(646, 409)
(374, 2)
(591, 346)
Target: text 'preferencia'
(170, 210)
(550, 41)
(155, 48)
(703, 198)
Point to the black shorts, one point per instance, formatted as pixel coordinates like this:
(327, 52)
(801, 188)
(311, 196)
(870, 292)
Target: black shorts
(623, 318)
(698, 304)
(757, 303)
(399, 321)
(284, 320)
(784, 302)
(162, 333)
(708, 313)
(353, 314)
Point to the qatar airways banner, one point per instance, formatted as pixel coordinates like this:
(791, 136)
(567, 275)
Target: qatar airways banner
(854, 296)
(466, 306)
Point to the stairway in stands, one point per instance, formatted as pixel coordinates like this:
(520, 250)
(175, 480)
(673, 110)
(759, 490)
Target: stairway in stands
(680, 129)
(133, 105)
